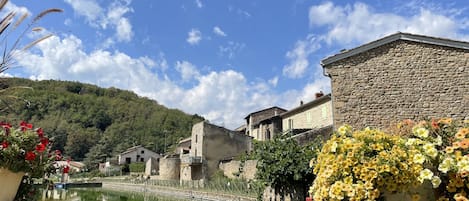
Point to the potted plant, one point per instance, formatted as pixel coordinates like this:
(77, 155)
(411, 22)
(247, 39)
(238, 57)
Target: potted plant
(24, 151)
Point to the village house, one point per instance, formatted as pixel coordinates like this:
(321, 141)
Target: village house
(264, 124)
(309, 119)
(400, 76)
(210, 144)
(136, 154)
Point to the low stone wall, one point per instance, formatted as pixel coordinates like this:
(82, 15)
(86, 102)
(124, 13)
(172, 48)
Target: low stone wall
(232, 169)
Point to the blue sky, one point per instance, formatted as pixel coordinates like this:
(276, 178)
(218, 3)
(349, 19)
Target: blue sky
(218, 59)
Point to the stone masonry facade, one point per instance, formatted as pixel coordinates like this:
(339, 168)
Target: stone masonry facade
(400, 80)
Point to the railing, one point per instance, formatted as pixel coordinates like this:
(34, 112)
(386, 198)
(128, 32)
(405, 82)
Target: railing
(187, 159)
(233, 187)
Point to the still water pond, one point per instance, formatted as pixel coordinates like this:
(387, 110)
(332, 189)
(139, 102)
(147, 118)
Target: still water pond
(92, 194)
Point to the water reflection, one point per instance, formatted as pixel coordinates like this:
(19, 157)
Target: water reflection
(98, 194)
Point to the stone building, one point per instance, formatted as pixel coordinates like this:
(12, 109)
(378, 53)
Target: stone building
(264, 124)
(400, 76)
(136, 154)
(211, 144)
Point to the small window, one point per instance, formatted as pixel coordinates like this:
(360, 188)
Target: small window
(195, 138)
(142, 152)
(141, 159)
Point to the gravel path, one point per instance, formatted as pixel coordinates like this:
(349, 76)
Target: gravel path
(174, 192)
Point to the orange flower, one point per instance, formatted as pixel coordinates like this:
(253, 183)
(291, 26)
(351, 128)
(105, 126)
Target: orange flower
(446, 121)
(463, 131)
(464, 143)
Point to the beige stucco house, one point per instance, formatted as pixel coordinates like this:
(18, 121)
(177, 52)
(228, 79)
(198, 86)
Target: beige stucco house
(211, 144)
(311, 115)
(400, 76)
(264, 124)
(136, 154)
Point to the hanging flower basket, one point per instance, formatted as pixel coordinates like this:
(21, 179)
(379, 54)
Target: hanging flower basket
(9, 184)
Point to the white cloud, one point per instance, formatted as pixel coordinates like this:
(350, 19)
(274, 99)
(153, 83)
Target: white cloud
(345, 24)
(274, 81)
(87, 8)
(230, 49)
(218, 31)
(299, 57)
(199, 3)
(105, 18)
(223, 97)
(194, 37)
(187, 70)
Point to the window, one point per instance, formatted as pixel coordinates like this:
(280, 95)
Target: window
(290, 124)
(308, 117)
(141, 159)
(324, 112)
(195, 138)
(195, 154)
(142, 152)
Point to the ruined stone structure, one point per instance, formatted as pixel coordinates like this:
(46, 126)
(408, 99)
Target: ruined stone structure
(170, 168)
(264, 124)
(401, 76)
(211, 144)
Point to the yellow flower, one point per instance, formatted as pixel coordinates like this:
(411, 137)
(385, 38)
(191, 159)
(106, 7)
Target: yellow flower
(344, 129)
(426, 174)
(446, 121)
(436, 181)
(311, 163)
(419, 158)
(334, 147)
(449, 150)
(421, 132)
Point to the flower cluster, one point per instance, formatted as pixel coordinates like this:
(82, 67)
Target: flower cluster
(26, 150)
(359, 165)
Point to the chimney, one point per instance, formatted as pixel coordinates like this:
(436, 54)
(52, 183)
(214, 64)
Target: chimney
(301, 102)
(319, 94)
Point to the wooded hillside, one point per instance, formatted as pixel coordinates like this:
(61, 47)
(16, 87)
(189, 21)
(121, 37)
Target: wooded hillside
(91, 123)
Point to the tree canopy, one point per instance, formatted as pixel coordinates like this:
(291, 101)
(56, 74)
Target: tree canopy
(90, 123)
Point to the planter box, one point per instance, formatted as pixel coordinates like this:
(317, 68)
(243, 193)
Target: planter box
(9, 184)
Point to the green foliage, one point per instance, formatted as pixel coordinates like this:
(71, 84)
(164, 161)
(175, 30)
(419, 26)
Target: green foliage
(283, 164)
(137, 167)
(93, 124)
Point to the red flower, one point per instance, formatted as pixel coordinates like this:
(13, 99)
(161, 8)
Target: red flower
(7, 127)
(44, 141)
(30, 156)
(5, 144)
(40, 132)
(24, 126)
(40, 148)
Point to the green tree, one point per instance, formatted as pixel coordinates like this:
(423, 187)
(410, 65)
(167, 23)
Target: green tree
(284, 165)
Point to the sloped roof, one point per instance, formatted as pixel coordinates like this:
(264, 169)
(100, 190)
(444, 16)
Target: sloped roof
(307, 105)
(392, 38)
(275, 107)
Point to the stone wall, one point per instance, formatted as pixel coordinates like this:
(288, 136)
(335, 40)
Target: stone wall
(400, 80)
(232, 169)
(169, 168)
